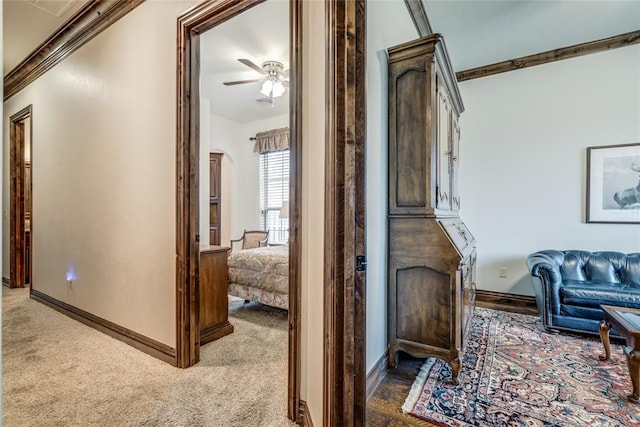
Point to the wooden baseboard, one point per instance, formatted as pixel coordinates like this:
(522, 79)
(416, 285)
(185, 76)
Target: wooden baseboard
(304, 418)
(5, 282)
(145, 344)
(215, 332)
(377, 373)
(523, 304)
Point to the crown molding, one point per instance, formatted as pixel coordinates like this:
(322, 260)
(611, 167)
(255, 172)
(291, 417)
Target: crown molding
(419, 17)
(88, 22)
(601, 45)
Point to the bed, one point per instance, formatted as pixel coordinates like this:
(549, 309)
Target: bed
(260, 274)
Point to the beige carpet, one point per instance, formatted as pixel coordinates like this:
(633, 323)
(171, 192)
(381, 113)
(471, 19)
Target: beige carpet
(58, 372)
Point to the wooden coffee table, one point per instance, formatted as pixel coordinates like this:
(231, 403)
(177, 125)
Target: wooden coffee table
(627, 322)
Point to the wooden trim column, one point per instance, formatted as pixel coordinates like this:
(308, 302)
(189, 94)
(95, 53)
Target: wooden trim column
(187, 255)
(295, 203)
(344, 314)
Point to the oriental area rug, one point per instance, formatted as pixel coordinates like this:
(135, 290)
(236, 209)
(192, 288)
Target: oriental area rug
(516, 374)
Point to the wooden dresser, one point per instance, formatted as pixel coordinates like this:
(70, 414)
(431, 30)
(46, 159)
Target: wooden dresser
(214, 306)
(431, 258)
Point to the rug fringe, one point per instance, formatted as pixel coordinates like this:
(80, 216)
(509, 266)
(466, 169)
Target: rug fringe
(416, 387)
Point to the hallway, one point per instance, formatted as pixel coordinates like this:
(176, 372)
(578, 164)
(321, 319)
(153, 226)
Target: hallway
(57, 371)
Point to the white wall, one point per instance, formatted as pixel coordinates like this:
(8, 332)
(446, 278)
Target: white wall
(240, 190)
(104, 173)
(380, 36)
(523, 145)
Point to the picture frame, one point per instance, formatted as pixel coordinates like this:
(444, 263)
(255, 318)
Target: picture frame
(613, 184)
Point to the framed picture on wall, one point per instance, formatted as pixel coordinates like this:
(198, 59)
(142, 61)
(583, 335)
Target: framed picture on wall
(613, 184)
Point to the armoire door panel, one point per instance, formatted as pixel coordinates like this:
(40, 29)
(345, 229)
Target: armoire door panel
(214, 213)
(455, 152)
(458, 232)
(443, 143)
(423, 297)
(214, 177)
(411, 141)
(420, 241)
(214, 234)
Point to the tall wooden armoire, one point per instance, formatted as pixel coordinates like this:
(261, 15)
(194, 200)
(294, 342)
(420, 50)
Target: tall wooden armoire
(431, 257)
(215, 213)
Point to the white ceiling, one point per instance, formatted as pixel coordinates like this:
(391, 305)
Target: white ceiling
(259, 34)
(477, 32)
(28, 23)
(483, 32)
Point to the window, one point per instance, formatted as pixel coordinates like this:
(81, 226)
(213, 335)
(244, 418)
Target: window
(274, 191)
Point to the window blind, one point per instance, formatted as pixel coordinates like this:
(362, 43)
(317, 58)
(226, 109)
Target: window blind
(274, 191)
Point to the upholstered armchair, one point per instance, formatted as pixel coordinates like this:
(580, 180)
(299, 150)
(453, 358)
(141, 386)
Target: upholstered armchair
(251, 239)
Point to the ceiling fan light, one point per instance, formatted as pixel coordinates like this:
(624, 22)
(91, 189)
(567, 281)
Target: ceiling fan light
(267, 87)
(278, 89)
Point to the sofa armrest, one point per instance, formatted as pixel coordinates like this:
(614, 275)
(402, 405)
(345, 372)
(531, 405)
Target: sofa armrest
(546, 271)
(546, 280)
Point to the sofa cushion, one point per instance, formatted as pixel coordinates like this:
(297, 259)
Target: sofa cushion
(612, 267)
(630, 272)
(595, 294)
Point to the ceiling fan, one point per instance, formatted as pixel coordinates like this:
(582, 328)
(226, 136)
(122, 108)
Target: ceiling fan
(274, 79)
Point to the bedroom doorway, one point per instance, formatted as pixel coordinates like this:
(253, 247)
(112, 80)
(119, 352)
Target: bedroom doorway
(20, 199)
(191, 28)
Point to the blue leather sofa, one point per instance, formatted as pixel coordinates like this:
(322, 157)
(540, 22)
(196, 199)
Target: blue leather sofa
(570, 286)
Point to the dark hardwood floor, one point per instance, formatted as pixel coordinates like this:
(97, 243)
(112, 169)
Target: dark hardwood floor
(384, 407)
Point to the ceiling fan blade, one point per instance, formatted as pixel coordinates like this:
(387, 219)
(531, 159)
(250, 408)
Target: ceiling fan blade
(251, 65)
(266, 100)
(285, 83)
(285, 74)
(240, 82)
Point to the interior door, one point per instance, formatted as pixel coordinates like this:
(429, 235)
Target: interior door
(20, 199)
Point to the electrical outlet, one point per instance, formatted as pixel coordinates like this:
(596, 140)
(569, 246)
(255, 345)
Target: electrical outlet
(502, 272)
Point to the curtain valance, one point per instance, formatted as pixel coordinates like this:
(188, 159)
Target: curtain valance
(272, 140)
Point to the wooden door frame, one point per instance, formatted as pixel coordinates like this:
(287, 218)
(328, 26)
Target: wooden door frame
(190, 25)
(345, 303)
(16, 197)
